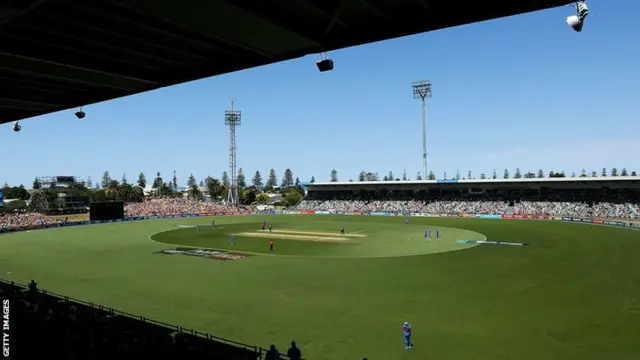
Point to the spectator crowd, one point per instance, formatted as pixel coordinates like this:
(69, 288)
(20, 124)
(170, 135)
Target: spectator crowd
(611, 210)
(174, 206)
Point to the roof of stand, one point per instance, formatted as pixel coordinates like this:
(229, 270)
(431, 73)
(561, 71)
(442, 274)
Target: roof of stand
(62, 54)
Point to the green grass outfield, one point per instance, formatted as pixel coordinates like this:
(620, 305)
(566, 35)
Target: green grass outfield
(574, 293)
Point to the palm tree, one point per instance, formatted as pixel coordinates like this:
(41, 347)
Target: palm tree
(113, 190)
(194, 193)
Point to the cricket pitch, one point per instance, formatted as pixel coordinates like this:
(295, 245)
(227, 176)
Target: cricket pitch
(298, 235)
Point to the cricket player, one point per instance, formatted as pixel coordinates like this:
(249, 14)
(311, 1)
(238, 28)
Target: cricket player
(342, 231)
(426, 233)
(270, 228)
(271, 245)
(264, 223)
(213, 224)
(198, 228)
(406, 330)
(437, 234)
(232, 240)
(406, 220)
(346, 219)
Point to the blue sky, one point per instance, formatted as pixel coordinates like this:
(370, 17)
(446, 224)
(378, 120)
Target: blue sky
(523, 92)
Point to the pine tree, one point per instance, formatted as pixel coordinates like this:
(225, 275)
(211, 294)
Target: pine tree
(362, 176)
(518, 174)
(313, 179)
(124, 180)
(540, 174)
(624, 172)
(142, 180)
(191, 182)
(287, 178)
(174, 181)
(257, 180)
(432, 175)
(225, 179)
(272, 180)
(418, 177)
(334, 175)
(483, 176)
(158, 182)
(241, 182)
(106, 179)
(506, 174)
(495, 174)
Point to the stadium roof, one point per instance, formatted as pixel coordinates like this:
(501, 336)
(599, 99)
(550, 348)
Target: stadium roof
(63, 54)
(611, 179)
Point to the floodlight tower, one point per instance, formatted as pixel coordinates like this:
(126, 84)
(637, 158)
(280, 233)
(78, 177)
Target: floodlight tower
(232, 118)
(422, 91)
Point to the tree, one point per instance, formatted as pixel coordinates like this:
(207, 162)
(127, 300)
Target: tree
(624, 172)
(457, 174)
(225, 179)
(263, 199)
(287, 178)
(390, 176)
(362, 176)
(89, 183)
(124, 180)
(297, 181)
(483, 176)
(540, 174)
(174, 181)
(272, 180)
(386, 178)
(194, 192)
(431, 176)
(529, 175)
(594, 174)
(257, 180)
(604, 172)
(506, 174)
(201, 183)
(142, 180)
(495, 174)
(313, 179)
(334, 175)
(248, 196)
(518, 174)
(469, 175)
(371, 177)
(573, 174)
(191, 182)
(418, 177)
(106, 179)
(36, 184)
(633, 173)
(404, 175)
(293, 197)
(157, 182)
(241, 182)
(583, 173)
(614, 172)
(214, 187)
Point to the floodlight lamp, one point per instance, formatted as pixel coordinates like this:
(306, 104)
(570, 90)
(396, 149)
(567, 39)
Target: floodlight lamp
(80, 114)
(16, 126)
(577, 21)
(324, 64)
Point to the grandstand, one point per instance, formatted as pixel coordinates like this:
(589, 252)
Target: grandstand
(613, 197)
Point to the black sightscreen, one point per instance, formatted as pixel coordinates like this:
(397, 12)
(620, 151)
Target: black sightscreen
(111, 210)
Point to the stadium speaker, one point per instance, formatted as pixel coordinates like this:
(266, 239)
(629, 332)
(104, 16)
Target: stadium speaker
(80, 114)
(325, 65)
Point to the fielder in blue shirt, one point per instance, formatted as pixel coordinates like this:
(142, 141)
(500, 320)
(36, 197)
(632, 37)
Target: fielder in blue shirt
(426, 233)
(437, 234)
(406, 329)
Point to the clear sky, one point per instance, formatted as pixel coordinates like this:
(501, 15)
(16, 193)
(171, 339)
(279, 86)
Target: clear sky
(523, 92)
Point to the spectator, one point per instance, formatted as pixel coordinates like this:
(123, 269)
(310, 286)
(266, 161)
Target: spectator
(294, 352)
(272, 354)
